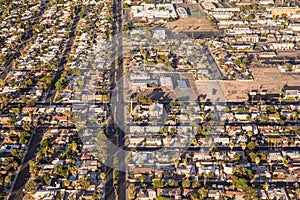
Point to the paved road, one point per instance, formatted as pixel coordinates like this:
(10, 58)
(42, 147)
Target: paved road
(210, 183)
(116, 118)
(220, 148)
(217, 74)
(24, 174)
(120, 106)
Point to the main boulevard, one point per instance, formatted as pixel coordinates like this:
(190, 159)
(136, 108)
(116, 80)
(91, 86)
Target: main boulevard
(115, 130)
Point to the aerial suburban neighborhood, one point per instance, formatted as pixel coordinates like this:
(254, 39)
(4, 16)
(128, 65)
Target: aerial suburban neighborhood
(150, 100)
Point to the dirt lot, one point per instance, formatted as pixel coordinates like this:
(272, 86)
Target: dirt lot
(190, 24)
(269, 79)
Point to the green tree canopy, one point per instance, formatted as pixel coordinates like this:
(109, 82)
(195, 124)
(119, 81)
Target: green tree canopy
(158, 183)
(250, 194)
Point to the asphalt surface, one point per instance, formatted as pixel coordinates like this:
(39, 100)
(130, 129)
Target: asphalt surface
(220, 148)
(116, 118)
(24, 175)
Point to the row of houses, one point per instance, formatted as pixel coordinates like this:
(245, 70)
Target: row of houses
(15, 21)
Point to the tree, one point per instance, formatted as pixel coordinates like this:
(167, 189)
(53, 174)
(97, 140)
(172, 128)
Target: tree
(73, 147)
(241, 183)
(240, 171)
(194, 196)
(160, 197)
(158, 183)
(257, 160)
(12, 121)
(33, 167)
(172, 183)
(101, 146)
(84, 183)
(252, 145)
(28, 82)
(46, 177)
(15, 164)
(27, 127)
(176, 163)
(2, 83)
(61, 170)
(102, 176)
(105, 97)
(66, 183)
(289, 67)
(142, 178)
(97, 195)
(250, 194)
(249, 134)
(244, 146)
(285, 161)
(294, 115)
(24, 137)
(195, 184)
(30, 186)
(266, 186)
(231, 145)
(15, 111)
(61, 84)
(186, 183)
(8, 178)
(68, 114)
(16, 153)
(237, 156)
(205, 178)
(203, 192)
(45, 143)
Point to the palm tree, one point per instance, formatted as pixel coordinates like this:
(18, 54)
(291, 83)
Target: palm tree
(176, 163)
(73, 147)
(195, 184)
(294, 115)
(8, 178)
(186, 183)
(244, 146)
(257, 160)
(68, 114)
(298, 192)
(73, 169)
(203, 192)
(285, 161)
(142, 178)
(204, 179)
(102, 176)
(266, 186)
(2, 83)
(249, 134)
(280, 99)
(231, 145)
(84, 183)
(8, 162)
(33, 168)
(184, 161)
(170, 194)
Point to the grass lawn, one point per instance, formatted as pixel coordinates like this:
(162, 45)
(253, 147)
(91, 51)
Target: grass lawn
(197, 14)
